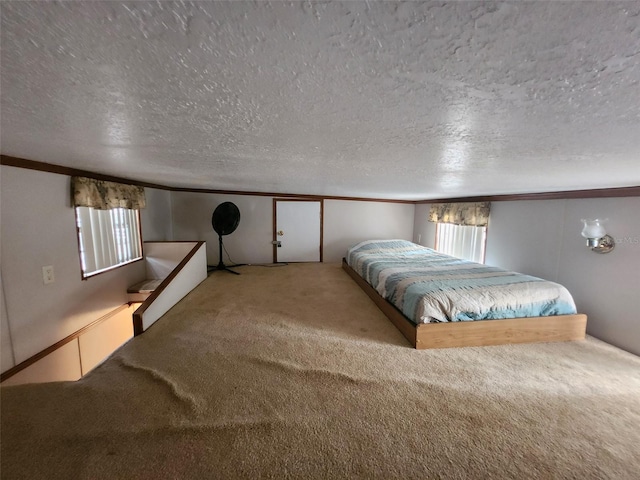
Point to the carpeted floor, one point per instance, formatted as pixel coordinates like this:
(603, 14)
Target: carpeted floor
(292, 372)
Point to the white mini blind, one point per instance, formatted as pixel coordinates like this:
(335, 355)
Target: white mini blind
(461, 241)
(107, 238)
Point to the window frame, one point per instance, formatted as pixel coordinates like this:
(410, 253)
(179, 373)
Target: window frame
(85, 276)
(484, 245)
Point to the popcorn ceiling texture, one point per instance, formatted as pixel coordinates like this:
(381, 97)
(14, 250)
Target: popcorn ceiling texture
(375, 99)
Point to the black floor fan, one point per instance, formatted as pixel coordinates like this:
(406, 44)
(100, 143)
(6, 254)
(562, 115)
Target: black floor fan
(225, 220)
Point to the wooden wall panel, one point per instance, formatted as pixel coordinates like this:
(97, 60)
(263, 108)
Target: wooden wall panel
(102, 340)
(62, 364)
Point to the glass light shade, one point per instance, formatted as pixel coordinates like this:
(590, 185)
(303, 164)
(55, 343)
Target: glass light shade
(593, 229)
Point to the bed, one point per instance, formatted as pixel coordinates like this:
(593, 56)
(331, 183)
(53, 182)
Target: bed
(439, 301)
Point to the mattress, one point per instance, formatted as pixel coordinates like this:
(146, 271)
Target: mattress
(428, 286)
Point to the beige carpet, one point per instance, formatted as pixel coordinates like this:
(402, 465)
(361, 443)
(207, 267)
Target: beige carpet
(292, 372)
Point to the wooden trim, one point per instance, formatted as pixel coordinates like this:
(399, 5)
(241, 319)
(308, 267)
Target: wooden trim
(138, 327)
(632, 191)
(299, 196)
(58, 169)
(140, 234)
(169, 241)
(561, 328)
(321, 230)
(567, 194)
(112, 268)
(275, 235)
(401, 322)
(479, 333)
(69, 338)
(72, 172)
(75, 216)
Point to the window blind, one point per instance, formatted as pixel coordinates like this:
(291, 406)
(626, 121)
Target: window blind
(461, 241)
(107, 238)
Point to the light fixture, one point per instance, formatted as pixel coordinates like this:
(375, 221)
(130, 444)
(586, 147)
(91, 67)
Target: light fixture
(596, 235)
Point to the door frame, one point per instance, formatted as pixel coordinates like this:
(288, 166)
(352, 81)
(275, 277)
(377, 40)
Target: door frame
(275, 222)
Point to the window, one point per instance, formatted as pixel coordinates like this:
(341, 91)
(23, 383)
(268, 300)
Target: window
(108, 223)
(462, 241)
(461, 228)
(107, 238)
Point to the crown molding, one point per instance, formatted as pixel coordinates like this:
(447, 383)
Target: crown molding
(568, 194)
(72, 172)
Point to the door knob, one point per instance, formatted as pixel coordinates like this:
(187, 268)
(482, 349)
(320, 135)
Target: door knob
(280, 233)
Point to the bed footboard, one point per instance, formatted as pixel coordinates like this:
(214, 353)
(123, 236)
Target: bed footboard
(559, 328)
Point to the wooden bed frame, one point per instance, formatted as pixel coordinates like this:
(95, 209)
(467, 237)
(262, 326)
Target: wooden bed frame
(559, 328)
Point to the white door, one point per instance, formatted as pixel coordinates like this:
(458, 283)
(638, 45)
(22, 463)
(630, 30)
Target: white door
(298, 230)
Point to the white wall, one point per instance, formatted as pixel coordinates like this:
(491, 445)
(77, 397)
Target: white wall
(250, 243)
(542, 238)
(162, 257)
(345, 223)
(424, 231)
(526, 236)
(348, 222)
(38, 228)
(156, 220)
(6, 351)
(189, 277)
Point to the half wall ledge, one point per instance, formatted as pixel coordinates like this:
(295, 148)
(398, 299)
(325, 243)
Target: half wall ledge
(188, 274)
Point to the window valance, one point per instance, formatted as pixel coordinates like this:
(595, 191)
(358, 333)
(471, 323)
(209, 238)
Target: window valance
(103, 195)
(474, 214)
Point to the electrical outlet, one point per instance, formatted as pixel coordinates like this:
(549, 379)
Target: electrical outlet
(47, 274)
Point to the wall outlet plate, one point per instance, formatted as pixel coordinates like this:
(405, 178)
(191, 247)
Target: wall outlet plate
(47, 274)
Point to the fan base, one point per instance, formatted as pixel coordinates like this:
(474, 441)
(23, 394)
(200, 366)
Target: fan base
(221, 266)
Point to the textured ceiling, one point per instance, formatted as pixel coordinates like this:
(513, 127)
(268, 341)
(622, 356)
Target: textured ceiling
(373, 99)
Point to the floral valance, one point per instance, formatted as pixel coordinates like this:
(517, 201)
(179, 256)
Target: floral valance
(103, 195)
(476, 214)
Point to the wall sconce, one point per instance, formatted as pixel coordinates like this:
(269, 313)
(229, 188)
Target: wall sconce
(596, 235)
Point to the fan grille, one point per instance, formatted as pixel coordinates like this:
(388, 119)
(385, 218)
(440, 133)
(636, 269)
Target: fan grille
(225, 218)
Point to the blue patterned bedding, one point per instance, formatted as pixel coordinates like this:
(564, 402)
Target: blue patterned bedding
(427, 286)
